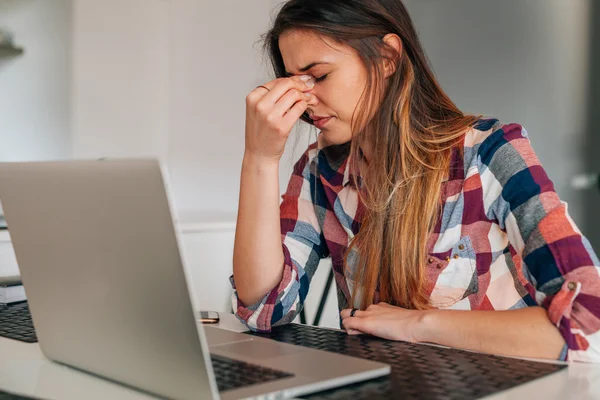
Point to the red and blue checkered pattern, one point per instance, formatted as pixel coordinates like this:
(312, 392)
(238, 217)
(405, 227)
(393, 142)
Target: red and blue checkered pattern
(504, 240)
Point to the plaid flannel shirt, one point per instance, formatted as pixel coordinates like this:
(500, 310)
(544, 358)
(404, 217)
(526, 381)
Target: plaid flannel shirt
(504, 240)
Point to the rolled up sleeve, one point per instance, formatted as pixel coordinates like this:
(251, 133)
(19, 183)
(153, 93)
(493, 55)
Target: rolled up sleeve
(303, 247)
(558, 260)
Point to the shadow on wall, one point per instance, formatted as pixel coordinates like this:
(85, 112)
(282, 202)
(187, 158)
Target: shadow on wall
(591, 145)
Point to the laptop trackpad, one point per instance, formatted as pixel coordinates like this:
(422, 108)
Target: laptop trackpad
(258, 349)
(216, 336)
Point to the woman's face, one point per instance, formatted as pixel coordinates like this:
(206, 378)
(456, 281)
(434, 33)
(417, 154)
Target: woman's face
(341, 78)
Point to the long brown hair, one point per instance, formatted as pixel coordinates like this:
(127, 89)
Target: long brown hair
(411, 126)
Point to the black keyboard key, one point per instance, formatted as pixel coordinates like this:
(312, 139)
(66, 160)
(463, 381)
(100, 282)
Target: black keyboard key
(16, 323)
(234, 374)
(9, 396)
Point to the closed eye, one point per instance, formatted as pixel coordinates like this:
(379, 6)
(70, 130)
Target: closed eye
(322, 78)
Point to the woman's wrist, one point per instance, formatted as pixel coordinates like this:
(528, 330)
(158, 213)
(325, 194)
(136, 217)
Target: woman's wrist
(258, 162)
(425, 326)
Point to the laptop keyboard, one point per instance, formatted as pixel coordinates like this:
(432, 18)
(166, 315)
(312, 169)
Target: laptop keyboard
(234, 374)
(9, 396)
(16, 323)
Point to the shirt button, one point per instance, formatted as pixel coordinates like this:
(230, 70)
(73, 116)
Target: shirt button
(572, 286)
(439, 266)
(461, 247)
(447, 258)
(430, 261)
(456, 256)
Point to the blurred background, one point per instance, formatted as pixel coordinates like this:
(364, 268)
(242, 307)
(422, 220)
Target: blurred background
(168, 79)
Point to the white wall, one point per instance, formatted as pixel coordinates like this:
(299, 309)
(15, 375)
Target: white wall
(207, 252)
(523, 61)
(217, 61)
(169, 79)
(8, 261)
(35, 118)
(34, 87)
(121, 78)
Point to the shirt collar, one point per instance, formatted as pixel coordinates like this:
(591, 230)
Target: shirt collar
(339, 156)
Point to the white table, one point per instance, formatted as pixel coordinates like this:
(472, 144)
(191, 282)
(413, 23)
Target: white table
(24, 370)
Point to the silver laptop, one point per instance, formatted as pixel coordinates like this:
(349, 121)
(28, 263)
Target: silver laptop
(100, 261)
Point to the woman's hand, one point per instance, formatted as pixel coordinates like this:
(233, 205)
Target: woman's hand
(271, 112)
(385, 321)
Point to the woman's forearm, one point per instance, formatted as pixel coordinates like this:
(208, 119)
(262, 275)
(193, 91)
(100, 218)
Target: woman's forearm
(257, 255)
(526, 332)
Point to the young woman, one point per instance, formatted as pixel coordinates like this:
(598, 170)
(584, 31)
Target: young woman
(441, 227)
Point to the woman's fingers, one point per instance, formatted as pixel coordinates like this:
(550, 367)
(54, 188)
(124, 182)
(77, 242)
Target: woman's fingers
(288, 100)
(356, 323)
(256, 95)
(346, 313)
(265, 96)
(280, 87)
(284, 102)
(271, 112)
(294, 113)
(373, 308)
(354, 332)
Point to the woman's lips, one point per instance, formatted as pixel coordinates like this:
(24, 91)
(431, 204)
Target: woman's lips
(321, 122)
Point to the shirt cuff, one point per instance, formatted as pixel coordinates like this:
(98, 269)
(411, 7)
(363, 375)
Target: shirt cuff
(562, 302)
(255, 316)
(564, 353)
